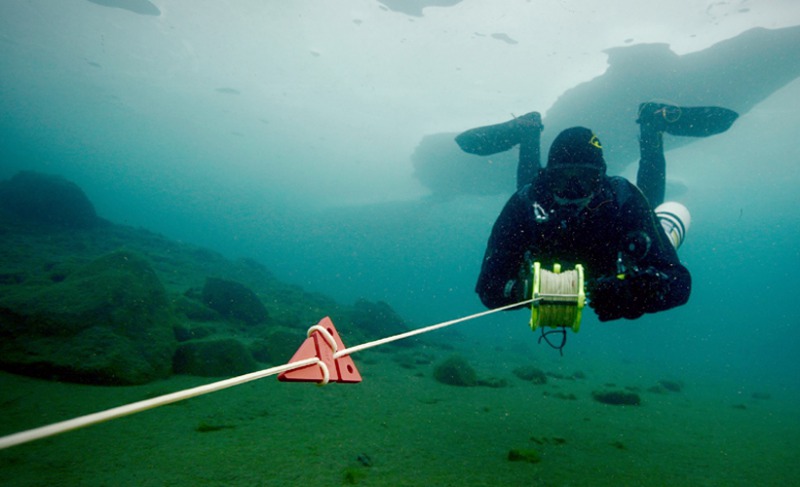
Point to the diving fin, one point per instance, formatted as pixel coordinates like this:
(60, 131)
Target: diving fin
(500, 137)
(686, 121)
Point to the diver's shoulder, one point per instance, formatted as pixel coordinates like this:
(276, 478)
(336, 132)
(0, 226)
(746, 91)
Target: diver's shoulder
(623, 189)
(620, 182)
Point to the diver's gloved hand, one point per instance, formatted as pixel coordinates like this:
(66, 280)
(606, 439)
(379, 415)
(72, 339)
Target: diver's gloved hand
(629, 297)
(612, 299)
(649, 288)
(521, 288)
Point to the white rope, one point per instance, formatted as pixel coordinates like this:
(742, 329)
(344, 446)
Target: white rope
(137, 407)
(325, 334)
(382, 341)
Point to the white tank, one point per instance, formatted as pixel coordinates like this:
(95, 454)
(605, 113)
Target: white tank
(675, 220)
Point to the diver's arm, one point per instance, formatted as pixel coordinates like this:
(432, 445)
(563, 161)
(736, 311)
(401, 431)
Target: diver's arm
(665, 281)
(498, 283)
(649, 277)
(676, 284)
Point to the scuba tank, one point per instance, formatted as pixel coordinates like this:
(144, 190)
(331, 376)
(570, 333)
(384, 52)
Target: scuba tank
(675, 220)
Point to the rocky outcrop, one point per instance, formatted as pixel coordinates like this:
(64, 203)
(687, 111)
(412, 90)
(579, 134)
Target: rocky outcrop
(46, 199)
(213, 358)
(108, 322)
(234, 300)
(101, 303)
(455, 371)
(377, 320)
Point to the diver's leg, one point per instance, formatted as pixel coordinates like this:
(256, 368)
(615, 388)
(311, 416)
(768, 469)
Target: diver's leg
(652, 175)
(489, 139)
(530, 159)
(657, 118)
(687, 121)
(500, 137)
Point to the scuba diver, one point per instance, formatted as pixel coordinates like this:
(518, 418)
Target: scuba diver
(572, 212)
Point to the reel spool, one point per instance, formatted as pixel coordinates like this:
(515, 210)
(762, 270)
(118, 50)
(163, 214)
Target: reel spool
(559, 297)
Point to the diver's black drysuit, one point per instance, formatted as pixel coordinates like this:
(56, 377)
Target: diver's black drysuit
(617, 232)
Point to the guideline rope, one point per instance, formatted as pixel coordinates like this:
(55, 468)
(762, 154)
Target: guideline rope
(136, 407)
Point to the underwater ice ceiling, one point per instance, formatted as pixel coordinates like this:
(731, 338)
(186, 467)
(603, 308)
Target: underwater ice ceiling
(261, 94)
(142, 7)
(415, 7)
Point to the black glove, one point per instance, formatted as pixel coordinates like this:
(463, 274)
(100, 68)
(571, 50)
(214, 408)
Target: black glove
(649, 288)
(521, 288)
(611, 299)
(630, 297)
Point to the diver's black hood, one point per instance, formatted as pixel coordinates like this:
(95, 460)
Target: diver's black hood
(576, 146)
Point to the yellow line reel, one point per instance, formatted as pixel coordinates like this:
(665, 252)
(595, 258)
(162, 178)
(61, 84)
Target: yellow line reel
(559, 297)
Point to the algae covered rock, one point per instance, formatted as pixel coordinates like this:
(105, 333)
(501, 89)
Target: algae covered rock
(47, 199)
(234, 300)
(378, 320)
(194, 309)
(213, 358)
(617, 398)
(524, 455)
(277, 345)
(108, 322)
(671, 385)
(531, 374)
(455, 371)
(493, 382)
